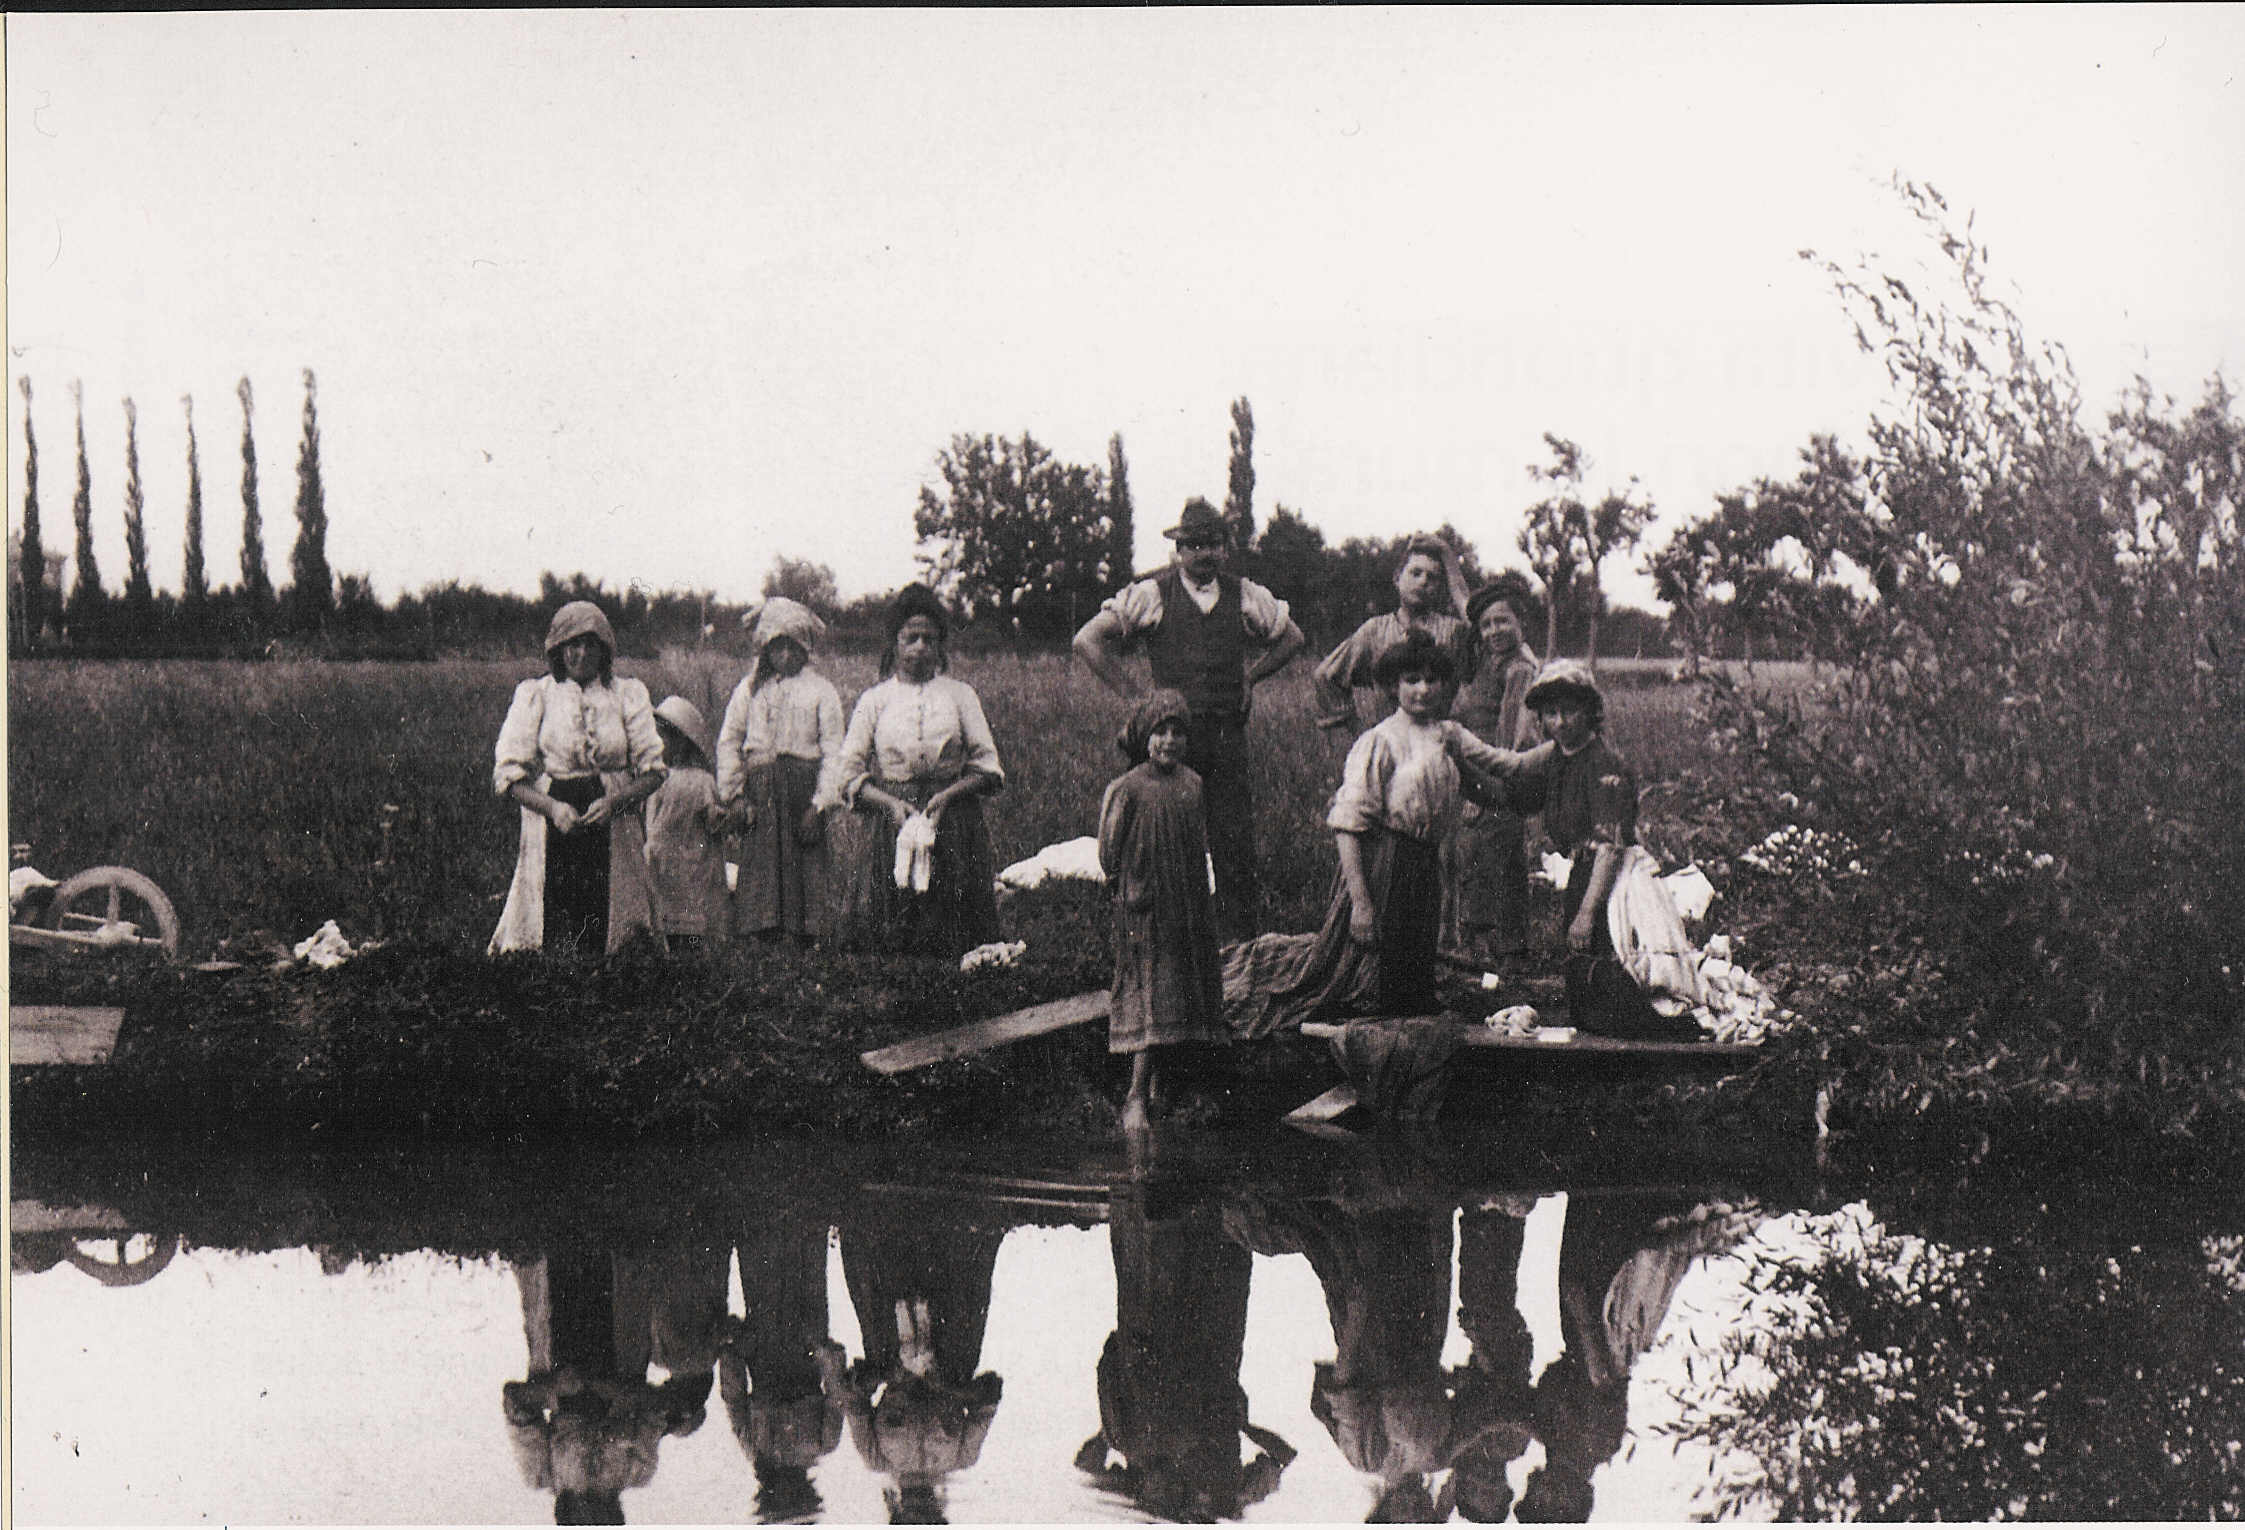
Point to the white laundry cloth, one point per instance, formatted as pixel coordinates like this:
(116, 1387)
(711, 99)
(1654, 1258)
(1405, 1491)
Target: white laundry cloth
(1649, 935)
(915, 853)
(1071, 859)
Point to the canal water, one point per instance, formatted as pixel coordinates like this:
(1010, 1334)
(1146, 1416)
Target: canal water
(1274, 1328)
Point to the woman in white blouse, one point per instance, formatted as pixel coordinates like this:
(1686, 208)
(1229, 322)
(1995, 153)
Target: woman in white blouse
(917, 760)
(578, 752)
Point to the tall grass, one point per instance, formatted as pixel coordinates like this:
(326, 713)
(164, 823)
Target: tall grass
(273, 796)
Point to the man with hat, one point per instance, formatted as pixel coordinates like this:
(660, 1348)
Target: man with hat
(1213, 636)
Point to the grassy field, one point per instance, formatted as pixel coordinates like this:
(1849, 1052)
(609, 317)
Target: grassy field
(274, 796)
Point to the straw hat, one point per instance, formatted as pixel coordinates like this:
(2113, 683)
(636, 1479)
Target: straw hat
(687, 719)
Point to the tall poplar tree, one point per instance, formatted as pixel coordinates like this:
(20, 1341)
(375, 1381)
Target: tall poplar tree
(194, 583)
(1122, 532)
(1239, 495)
(85, 588)
(140, 594)
(34, 558)
(257, 588)
(311, 588)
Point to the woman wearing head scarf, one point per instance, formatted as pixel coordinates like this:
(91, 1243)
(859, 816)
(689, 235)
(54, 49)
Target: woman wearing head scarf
(915, 764)
(579, 754)
(775, 770)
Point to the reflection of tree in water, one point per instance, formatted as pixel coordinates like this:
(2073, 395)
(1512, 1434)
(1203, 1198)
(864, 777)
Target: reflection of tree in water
(918, 1407)
(586, 1423)
(780, 1374)
(1170, 1402)
(2059, 1374)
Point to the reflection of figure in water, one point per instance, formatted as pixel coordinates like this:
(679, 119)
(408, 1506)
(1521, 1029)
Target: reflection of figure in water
(1386, 1274)
(918, 1407)
(1170, 1402)
(1492, 1387)
(1620, 1259)
(780, 1375)
(586, 1423)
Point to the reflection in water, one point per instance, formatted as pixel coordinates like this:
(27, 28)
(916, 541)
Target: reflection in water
(1620, 1259)
(2074, 1367)
(1170, 1403)
(780, 1373)
(586, 1423)
(1492, 1385)
(1994, 1364)
(131, 1259)
(919, 1406)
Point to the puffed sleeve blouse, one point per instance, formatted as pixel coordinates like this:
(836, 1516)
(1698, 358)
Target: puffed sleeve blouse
(930, 731)
(559, 728)
(1398, 777)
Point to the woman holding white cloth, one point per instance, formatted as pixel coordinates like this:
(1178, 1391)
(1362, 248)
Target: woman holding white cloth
(919, 748)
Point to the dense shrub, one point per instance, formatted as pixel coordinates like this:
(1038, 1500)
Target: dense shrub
(2033, 734)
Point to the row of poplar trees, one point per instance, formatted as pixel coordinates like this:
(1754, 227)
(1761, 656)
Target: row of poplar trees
(88, 617)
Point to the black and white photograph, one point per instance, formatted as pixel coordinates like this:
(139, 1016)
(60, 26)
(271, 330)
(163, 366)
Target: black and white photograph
(1024, 766)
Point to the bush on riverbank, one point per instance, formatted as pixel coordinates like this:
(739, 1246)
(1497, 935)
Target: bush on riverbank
(2031, 749)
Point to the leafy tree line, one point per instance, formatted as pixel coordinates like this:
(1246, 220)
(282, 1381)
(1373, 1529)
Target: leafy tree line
(1029, 545)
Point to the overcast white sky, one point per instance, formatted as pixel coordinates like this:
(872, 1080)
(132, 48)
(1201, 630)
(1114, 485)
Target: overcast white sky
(661, 295)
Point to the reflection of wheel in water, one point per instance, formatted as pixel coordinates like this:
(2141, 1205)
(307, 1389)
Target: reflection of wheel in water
(124, 1266)
(119, 906)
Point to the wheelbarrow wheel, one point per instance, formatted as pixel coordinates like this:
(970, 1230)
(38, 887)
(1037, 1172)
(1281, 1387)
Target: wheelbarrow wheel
(123, 1267)
(105, 898)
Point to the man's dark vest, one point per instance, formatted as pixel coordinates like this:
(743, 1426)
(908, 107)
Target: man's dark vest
(1203, 656)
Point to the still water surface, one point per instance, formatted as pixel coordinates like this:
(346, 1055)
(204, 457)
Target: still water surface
(1267, 1331)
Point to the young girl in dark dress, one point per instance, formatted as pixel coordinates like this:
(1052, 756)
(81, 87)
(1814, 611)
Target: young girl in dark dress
(1153, 847)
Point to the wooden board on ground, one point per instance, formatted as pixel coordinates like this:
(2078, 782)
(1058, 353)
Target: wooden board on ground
(41, 1035)
(966, 1040)
(1336, 1101)
(1582, 1043)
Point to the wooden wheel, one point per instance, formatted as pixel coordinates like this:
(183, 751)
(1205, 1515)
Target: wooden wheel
(123, 1266)
(117, 906)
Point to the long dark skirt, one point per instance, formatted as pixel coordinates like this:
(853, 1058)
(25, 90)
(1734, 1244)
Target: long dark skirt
(958, 912)
(783, 882)
(1395, 975)
(576, 892)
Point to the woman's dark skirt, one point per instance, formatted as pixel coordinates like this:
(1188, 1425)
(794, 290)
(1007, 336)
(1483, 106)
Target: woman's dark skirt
(784, 883)
(576, 892)
(1395, 975)
(958, 912)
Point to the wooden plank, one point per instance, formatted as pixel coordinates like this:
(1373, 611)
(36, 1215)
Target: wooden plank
(966, 1040)
(41, 1035)
(30, 1216)
(1336, 1101)
(1480, 1037)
